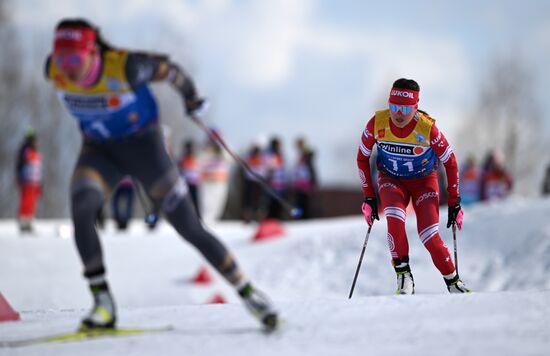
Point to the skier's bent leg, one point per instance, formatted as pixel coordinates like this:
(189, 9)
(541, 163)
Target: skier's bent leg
(181, 213)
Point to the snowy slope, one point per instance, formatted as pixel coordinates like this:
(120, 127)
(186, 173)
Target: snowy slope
(503, 256)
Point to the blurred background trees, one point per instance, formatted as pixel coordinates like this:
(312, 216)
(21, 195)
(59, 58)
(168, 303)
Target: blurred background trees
(507, 118)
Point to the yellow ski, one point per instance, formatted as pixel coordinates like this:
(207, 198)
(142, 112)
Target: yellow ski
(81, 335)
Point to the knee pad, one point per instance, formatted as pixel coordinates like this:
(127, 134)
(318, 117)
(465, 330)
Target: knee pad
(169, 190)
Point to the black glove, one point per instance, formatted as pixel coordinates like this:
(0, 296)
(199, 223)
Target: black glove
(374, 206)
(453, 214)
(196, 107)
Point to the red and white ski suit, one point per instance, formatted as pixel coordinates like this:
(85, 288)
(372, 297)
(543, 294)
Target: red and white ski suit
(30, 182)
(407, 171)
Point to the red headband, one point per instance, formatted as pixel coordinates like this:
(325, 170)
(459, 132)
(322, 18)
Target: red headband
(404, 96)
(74, 38)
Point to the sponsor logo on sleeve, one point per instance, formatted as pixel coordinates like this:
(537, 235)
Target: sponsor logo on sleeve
(367, 133)
(363, 179)
(437, 139)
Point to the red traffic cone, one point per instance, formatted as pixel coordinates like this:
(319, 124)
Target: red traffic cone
(216, 299)
(269, 229)
(7, 313)
(203, 276)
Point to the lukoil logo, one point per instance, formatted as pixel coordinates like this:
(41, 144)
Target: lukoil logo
(68, 34)
(426, 196)
(404, 94)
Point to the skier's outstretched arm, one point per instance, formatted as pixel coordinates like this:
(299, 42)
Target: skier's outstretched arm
(144, 67)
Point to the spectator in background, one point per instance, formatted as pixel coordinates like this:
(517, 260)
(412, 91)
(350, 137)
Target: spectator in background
(546, 182)
(276, 176)
(123, 202)
(304, 179)
(191, 171)
(215, 180)
(252, 190)
(470, 182)
(29, 180)
(496, 182)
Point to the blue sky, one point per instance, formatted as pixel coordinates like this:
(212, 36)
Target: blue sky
(318, 68)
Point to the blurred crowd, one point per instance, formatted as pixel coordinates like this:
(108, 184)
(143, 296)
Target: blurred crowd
(488, 180)
(211, 177)
(297, 184)
(209, 173)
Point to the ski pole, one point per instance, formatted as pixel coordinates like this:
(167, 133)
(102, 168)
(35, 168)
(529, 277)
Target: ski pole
(455, 247)
(360, 261)
(292, 210)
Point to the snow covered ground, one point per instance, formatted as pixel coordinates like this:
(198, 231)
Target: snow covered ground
(504, 254)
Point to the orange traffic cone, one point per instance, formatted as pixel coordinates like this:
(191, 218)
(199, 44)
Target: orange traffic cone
(269, 229)
(7, 313)
(203, 276)
(216, 299)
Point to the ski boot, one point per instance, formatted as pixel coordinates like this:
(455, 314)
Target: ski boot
(258, 304)
(405, 280)
(103, 314)
(455, 285)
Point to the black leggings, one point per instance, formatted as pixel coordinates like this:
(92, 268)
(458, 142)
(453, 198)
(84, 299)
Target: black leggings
(100, 167)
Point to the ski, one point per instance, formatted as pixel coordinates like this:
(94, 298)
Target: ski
(81, 335)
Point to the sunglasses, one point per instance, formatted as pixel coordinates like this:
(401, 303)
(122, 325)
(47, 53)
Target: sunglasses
(405, 109)
(70, 60)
